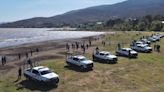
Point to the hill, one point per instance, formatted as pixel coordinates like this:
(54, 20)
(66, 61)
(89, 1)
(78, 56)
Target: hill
(126, 9)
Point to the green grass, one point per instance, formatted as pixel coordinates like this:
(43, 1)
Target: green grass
(145, 74)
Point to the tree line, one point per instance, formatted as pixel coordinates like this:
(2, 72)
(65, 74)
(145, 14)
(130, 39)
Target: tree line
(145, 23)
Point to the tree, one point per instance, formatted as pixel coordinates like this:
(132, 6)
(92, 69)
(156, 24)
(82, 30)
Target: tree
(156, 26)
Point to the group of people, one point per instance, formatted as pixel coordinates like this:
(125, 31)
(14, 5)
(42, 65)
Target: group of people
(78, 45)
(3, 60)
(27, 53)
(28, 62)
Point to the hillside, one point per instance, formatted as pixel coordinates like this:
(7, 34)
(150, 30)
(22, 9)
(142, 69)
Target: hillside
(126, 9)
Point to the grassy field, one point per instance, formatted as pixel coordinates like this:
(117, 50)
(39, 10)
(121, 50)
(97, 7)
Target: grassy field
(144, 74)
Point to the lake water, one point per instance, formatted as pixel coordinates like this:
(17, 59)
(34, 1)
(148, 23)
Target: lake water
(18, 36)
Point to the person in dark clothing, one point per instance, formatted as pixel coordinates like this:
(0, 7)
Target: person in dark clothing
(119, 46)
(84, 50)
(129, 54)
(67, 47)
(90, 43)
(30, 63)
(155, 46)
(87, 46)
(19, 56)
(19, 73)
(31, 52)
(158, 48)
(37, 49)
(77, 45)
(2, 60)
(97, 50)
(27, 55)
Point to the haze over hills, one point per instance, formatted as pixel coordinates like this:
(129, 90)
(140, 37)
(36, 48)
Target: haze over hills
(126, 9)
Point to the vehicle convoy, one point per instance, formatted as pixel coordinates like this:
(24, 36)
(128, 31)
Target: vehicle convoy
(141, 48)
(127, 52)
(80, 62)
(41, 74)
(105, 57)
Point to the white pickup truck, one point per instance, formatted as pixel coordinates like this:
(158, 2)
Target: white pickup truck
(127, 52)
(142, 48)
(41, 74)
(146, 41)
(80, 62)
(105, 57)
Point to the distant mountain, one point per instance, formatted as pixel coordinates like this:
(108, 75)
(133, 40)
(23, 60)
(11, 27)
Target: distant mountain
(126, 9)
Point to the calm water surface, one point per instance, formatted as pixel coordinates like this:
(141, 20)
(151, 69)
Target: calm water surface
(18, 36)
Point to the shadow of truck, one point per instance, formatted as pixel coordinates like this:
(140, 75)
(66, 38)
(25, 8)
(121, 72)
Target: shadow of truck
(35, 86)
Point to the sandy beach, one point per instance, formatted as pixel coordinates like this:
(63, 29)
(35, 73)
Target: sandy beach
(47, 50)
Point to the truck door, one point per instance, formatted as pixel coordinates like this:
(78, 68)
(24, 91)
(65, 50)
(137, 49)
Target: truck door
(75, 61)
(36, 75)
(101, 56)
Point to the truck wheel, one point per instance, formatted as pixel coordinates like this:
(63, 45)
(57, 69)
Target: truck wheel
(29, 78)
(117, 54)
(68, 63)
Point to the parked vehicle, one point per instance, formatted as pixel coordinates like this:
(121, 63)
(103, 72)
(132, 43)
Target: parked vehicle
(80, 62)
(141, 48)
(105, 57)
(146, 41)
(156, 37)
(127, 52)
(152, 39)
(41, 74)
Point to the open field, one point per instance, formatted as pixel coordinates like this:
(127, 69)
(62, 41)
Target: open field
(144, 74)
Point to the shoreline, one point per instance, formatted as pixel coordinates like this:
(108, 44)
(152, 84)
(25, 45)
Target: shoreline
(49, 42)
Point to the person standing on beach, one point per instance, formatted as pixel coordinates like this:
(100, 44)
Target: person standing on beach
(87, 46)
(30, 63)
(37, 49)
(4, 58)
(31, 52)
(67, 47)
(2, 61)
(90, 43)
(19, 56)
(83, 49)
(26, 54)
(19, 73)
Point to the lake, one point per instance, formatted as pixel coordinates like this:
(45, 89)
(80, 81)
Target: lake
(18, 36)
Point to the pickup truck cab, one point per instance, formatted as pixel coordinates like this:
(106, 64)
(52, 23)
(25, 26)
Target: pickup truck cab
(105, 57)
(80, 62)
(142, 48)
(146, 41)
(140, 42)
(127, 52)
(42, 74)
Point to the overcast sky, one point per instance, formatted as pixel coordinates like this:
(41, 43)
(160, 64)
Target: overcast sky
(12, 10)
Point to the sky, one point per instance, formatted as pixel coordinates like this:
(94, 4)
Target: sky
(12, 10)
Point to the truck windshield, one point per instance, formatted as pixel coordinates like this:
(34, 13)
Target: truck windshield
(83, 59)
(107, 54)
(45, 72)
